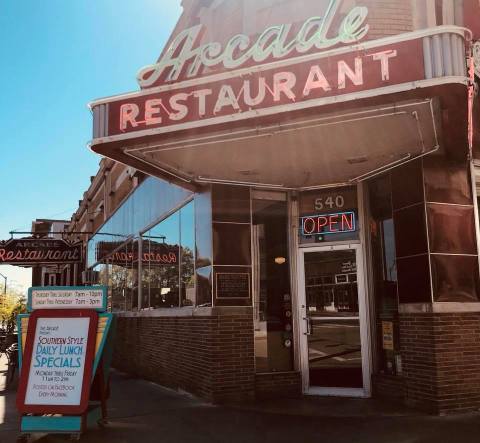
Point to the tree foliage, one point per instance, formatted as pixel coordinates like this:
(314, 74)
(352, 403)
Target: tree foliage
(11, 304)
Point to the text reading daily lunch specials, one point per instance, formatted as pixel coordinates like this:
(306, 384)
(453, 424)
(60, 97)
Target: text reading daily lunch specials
(58, 361)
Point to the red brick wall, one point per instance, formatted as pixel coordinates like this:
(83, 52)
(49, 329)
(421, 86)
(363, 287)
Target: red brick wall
(225, 19)
(278, 385)
(388, 17)
(388, 386)
(210, 356)
(441, 361)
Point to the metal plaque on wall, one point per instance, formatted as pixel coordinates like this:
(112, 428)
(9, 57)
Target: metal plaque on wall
(233, 285)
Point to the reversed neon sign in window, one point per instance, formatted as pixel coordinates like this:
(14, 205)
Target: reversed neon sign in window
(326, 224)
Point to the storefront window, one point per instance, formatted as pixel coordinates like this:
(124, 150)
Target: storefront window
(385, 274)
(272, 297)
(168, 262)
(187, 255)
(118, 286)
(119, 272)
(101, 274)
(163, 256)
(161, 268)
(150, 200)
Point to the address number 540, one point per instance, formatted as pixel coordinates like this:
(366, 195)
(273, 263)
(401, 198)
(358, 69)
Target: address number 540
(330, 202)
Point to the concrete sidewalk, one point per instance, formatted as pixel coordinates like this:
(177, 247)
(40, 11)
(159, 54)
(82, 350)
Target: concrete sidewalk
(142, 412)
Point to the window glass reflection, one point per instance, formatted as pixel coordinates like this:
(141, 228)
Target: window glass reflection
(187, 260)
(120, 273)
(272, 298)
(101, 274)
(455, 278)
(150, 200)
(334, 345)
(168, 274)
(382, 237)
(161, 269)
(388, 238)
(163, 258)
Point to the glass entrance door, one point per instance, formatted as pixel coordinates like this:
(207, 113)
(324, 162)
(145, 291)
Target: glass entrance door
(332, 317)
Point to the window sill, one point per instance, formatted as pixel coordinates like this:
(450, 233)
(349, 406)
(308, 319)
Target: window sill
(188, 311)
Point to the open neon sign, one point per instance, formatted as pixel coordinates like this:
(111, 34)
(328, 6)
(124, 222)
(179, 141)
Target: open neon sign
(325, 224)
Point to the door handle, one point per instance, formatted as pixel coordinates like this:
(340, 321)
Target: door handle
(309, 326)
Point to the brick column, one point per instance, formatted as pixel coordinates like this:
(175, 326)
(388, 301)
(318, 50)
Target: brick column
(441, 358)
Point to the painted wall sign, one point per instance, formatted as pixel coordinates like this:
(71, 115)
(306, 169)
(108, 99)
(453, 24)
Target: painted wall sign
(186, 57)
(68, 298)
(31, 251)
(233, 285)
(326, 224)
(59, 354)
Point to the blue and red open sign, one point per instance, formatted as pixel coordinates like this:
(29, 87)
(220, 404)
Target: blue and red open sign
(325, 224)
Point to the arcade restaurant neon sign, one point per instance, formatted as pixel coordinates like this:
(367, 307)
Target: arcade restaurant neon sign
(327, 77)
(270, 45)
(293, 83)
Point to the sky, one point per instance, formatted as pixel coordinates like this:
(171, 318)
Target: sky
(57, 56)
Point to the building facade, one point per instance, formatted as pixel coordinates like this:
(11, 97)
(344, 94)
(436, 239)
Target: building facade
(53, 274)
(288, 205)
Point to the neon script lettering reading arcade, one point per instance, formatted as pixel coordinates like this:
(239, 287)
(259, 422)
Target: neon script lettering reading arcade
(272, 43)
